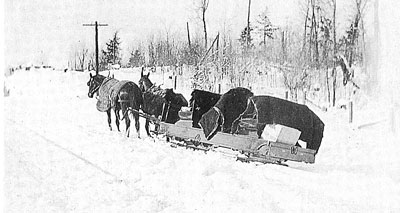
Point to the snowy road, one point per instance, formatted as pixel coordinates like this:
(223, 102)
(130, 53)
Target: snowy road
(36, 164)
(61, 157)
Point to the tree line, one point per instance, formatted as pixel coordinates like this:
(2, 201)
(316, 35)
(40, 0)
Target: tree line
(304, 57)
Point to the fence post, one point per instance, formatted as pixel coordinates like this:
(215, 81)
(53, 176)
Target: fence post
(219, 88)
(286, 95)
(304, 97)
(351, 111)
(175, 81)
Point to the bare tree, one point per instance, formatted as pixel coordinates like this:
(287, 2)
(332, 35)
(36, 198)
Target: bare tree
(360, 6)
(202, 6)
(91, 65)
(311, 29)
(334, 72)
(314, 31)
(82, 57)
(265, 27)
(350, 43)
(305, 28)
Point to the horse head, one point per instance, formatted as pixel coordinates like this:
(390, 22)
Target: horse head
(144, 82)
(94, 84)
(226, 110)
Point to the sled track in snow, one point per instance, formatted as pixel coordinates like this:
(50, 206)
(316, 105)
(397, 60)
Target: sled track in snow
(52, 142)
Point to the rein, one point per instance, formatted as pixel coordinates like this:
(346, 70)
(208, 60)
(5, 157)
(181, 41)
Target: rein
(96, 90)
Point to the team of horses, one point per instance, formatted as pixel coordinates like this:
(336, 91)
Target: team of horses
(130, 97)
(210, 111)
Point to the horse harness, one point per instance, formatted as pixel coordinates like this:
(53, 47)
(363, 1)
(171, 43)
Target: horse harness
(166, 109)
(167, 105)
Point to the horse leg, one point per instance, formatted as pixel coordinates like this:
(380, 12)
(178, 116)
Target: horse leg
(128, 124)
(109, 118)
(125, 115)
(116, 110)
(147, 128)
(137, 125)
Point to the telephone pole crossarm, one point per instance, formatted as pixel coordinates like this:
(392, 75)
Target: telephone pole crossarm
(92, 25)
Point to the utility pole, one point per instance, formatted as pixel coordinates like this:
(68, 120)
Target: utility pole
(96, 25)
(248, 26)
(188, 34)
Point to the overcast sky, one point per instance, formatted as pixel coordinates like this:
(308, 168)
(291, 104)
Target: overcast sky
(46, 30)
(49, 30)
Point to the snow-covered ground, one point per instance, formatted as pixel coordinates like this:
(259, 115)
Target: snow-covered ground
(61, 157)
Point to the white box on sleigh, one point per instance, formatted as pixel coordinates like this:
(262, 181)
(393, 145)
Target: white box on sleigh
(281, 134)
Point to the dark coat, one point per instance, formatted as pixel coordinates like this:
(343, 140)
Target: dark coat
(201, 101)
(225, 111)
(164, 102)
(272, 110)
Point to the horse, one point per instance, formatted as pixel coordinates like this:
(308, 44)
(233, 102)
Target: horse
(271, 110)
(117, 95)
(161, 103)
(201, 101)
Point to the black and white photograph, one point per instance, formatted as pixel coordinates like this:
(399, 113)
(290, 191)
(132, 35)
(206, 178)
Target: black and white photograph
(201, 106)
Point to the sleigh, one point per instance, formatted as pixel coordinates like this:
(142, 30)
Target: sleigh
(247, 145)
(250, 147)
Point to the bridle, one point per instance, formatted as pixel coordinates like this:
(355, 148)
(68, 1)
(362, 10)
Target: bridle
(145, 84)
(96, 87)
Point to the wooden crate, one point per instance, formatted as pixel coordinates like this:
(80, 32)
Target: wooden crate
(281, 134)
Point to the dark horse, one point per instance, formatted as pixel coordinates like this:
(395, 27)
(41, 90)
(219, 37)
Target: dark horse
(201, 101)
(117, 95)
(161, 103)
(271, 110)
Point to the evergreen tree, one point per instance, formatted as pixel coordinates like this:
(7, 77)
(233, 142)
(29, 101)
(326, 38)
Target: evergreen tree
(112, 53)
(265, 27)
(244, 37)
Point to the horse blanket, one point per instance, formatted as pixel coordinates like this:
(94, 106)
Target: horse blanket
(201, 101)
(272, 110)
(226, 110)
(155, 99)
(108, 93)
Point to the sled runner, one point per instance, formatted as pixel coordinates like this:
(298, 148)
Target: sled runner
(252, 148)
